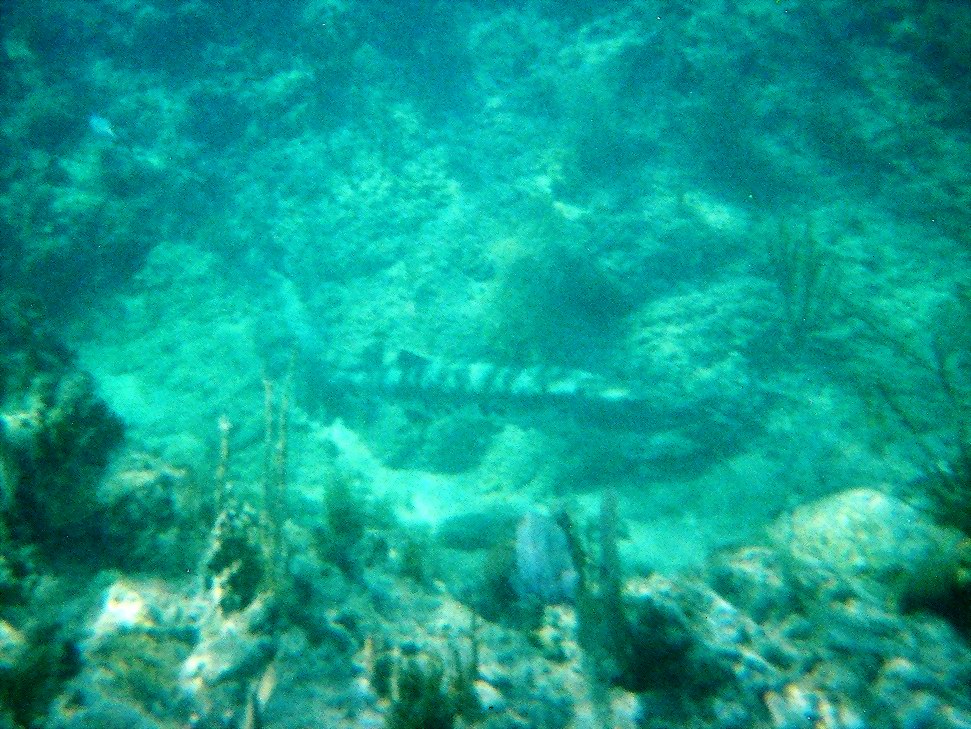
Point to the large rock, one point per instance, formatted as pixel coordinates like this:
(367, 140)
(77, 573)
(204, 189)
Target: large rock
(873, 545)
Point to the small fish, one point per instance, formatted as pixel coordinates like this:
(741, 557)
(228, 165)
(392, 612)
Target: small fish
(101, 127)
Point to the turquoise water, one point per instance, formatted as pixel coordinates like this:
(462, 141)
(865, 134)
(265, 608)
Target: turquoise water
(485, 364)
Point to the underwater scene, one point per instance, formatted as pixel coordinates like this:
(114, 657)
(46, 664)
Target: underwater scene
(485, 365)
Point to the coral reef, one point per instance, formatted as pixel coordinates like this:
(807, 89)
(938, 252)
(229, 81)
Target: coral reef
(549, 301)
(239, 565)
(56, 437)
(199, 194)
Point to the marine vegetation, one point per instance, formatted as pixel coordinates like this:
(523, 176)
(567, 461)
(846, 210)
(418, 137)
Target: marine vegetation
(421, 697)
(807, 276)
(932, 404)
(429, 691)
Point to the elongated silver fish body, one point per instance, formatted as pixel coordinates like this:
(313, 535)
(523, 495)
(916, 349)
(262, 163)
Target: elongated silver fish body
(405, 374)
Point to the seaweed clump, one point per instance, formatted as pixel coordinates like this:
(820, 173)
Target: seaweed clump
(807, 276)
(426, 691)
(423, 700)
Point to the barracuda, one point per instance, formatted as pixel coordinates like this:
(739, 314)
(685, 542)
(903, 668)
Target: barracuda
(408, 375)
